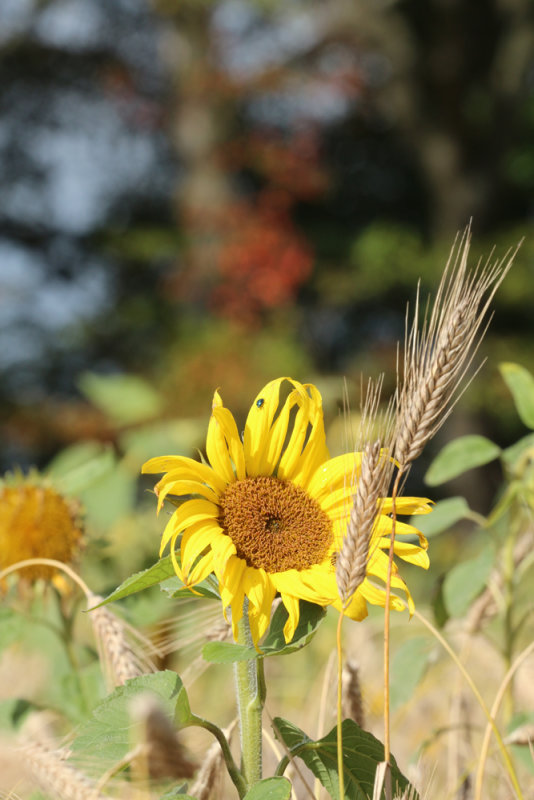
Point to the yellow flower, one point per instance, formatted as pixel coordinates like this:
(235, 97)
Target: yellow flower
(269, 515)
(37, 522)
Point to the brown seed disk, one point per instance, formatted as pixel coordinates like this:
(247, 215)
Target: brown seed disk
(275, 525)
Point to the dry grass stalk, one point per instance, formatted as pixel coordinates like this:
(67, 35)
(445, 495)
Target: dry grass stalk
(208, 782)
(438, 355)
(162, 751)
(119, 661)
(352, 694)
(485, 607)
(49, 769)
(374, 476)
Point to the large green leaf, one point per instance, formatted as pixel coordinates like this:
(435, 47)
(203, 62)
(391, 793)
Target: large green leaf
(124, 398)
(466, 580)
(274, 643)
(107, 737)
(407, 668)
(444, 515)
(460, 455)
(270, 789)
(157, 573)
(362, 753)
(521, 383)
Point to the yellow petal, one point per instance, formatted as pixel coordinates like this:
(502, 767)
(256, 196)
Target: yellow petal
(194, 542)
(189, 513)
(407, 505)
(357, 608)
(293, 609)
(180, 488)
(230, 583)
(290, 462)
(184, 468)
(222, 548)
(335, 474)
(200, 571)
(217, 447)
(315, 452)
(235, 448)
(259, 421)
(260, 592)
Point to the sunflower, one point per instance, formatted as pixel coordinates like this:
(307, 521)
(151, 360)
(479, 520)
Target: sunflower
(36, 521)
(268, 514)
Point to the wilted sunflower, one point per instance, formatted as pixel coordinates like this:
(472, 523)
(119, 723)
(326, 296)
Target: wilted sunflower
(36, 521)
(270, 512)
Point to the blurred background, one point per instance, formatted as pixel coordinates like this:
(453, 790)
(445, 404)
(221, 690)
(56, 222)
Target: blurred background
(213, 193)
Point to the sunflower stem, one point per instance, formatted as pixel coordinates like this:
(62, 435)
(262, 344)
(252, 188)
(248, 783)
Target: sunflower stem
(250, 692)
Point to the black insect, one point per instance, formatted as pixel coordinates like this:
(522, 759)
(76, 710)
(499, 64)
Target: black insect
(260, 402)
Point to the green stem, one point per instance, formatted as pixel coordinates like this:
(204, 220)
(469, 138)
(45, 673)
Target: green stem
(233, 771)
(250, 691)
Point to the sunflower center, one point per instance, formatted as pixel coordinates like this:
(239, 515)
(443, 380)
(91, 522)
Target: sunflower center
(275, 525)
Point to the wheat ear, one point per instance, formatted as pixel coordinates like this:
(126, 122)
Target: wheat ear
(50, 771)
(352, 693)
(438, 354)
(119, 661)
(162, 751)
(372, 482)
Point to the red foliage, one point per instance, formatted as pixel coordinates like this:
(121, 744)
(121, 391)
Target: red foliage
(262, 260)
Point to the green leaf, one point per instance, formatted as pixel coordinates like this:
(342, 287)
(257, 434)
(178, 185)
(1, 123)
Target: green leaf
(521, 384)
(407, 668)
(459, 456)
(270, 789)
(157, 573)
(174, 588)
(274, 643)
(466, 580)
(123, 398)
(107, 737)
(444, 515)
(80, 465)
(362, 753)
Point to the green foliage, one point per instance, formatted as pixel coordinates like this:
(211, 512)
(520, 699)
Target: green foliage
(407, 668)
(125, 399)
(274, 643)
(155, 574)
(460, 455)
(362, 753)
(270, 789)
(466, 580)
(521, 384)
(444, 515)
(107, 736)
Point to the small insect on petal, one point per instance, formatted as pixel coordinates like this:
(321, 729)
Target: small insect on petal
(260, 402)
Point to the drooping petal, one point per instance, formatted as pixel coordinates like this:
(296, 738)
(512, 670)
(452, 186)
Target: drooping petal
(293, 610)
(195, 540)
(222, 548)
(201, 570)
(260, 592)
